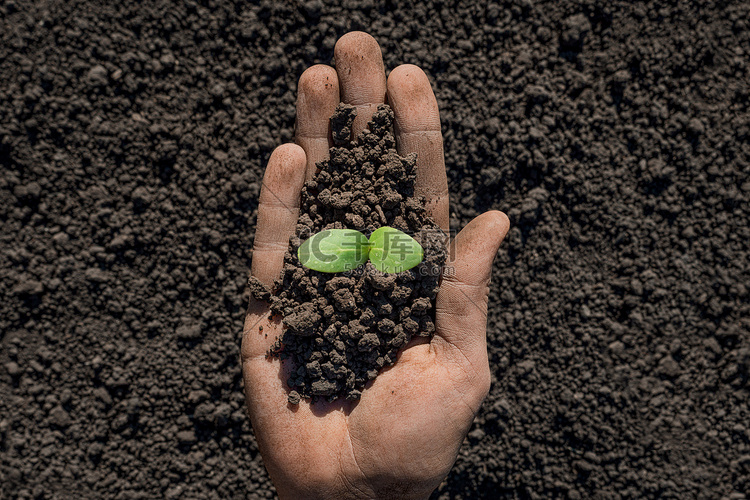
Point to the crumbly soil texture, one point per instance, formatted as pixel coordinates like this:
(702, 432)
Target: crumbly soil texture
(614, 134)
(341, 329)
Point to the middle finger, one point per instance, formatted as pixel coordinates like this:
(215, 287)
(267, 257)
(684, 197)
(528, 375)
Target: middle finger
(359, 65)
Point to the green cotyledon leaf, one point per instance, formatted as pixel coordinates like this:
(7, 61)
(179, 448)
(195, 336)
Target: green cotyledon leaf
(334, 250)
(393, 251)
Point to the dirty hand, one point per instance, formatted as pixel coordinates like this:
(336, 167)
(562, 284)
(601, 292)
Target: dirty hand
(402, 437)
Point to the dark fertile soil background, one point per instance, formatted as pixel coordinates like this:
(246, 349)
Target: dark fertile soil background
(614, 134)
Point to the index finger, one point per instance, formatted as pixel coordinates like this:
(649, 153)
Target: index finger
(417, 127)
(317, 98)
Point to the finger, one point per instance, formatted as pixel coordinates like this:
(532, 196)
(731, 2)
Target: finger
(417, 127)
(359, 65)
(317, 98)
(461, 304)
(278, 210)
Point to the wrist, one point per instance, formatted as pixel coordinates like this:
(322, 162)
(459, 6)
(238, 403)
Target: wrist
(348, 492)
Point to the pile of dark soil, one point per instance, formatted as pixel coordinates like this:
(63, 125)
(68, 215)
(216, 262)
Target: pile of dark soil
(342, 329)
(133, 138)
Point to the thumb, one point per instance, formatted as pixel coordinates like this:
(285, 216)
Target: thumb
(278, 210)
(461, 304)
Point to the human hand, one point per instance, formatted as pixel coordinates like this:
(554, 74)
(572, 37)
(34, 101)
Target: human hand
(402, 437)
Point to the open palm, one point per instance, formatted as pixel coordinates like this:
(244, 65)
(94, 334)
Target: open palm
(402, 437)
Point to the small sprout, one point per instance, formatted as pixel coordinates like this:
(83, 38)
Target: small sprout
(393, 251)
(337, 250)
(334, 250)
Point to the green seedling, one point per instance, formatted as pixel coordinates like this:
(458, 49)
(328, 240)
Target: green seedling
(334, 250)
(393, 251)
(338, 250)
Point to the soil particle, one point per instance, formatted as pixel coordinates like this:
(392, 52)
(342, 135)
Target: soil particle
(28, 287)
(327, 315)
(59, 417)
(189, 330)
(575, 28)
(341, 125)
(258, 290)
(186, 437)
(294, 397)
